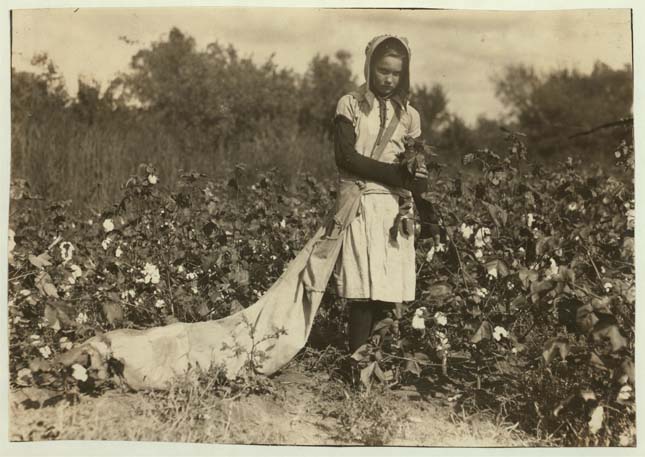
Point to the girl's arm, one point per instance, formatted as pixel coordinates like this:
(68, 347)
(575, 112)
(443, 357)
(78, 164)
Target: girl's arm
(367, 168)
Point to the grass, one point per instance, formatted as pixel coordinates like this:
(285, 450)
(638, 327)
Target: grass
(87, 164)
(296, 407)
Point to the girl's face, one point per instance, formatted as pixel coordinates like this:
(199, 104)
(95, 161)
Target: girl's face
(387, 73)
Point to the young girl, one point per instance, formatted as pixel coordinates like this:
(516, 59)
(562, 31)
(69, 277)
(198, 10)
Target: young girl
(374, 271)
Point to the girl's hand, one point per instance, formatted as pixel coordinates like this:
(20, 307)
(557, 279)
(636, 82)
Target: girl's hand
(421, 172)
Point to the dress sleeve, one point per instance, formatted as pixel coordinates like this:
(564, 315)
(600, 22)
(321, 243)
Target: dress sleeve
(364, 167)
(346, 108)
(415, 123)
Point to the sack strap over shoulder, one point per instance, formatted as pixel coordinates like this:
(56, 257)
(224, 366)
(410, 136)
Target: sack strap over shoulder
(385, 136)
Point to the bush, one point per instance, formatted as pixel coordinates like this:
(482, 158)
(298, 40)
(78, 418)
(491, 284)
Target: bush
(525, 307)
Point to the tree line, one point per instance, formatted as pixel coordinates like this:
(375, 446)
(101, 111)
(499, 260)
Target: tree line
(210, 109)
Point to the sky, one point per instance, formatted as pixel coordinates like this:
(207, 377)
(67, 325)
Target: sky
(461, 50)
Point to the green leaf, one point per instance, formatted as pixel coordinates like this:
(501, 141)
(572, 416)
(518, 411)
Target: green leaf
(546, 244)
(484, 332)
(361, 353)
(39, 364)
(438, 291)
(113, 312)
(379, 373)
(51, 317)
(601, 305)
(235, 307)
(611, 332)
(596, 361)
(383, 324)
(366, 374)
(45, 285)
(627, 249)
(388, 375)
(539, 289)
(42, 261)
(497, 268)
(586, 318)
(499, 215)
(527, 276)
(421, 357)
(555, 345)
(627, 372)
(203, 309)
(518, 302)
(239, 275)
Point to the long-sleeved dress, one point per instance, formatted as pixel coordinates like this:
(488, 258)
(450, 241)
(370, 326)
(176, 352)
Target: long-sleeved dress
(371, 265)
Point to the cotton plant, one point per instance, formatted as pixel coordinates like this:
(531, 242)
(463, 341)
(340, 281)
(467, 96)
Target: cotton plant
(150, 274)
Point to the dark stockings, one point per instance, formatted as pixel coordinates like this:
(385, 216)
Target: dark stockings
(363, 315)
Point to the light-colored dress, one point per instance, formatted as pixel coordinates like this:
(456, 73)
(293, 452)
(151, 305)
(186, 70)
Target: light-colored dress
(370, 265)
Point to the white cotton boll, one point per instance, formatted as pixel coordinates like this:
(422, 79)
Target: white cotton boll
(479, 254)
(66, 251)
(76, 271)
(118, 252)
(499, 333)
(479, 239)
(418, 322)
(553, 268)
(440, 318)
(45, 351)
(152, 179)
(625, 393)
(482, 237)
(631, 216)
(108, 225)
(79, 372)
(151, 274)
(466, 230)
(430, 255)
(12, 242)
(481, 291)
(82, 318)
(65, 344)
(597, 417)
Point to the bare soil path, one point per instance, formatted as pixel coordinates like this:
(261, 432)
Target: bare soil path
(300, 409)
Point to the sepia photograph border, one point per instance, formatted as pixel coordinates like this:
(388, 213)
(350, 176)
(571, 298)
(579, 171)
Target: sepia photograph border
(109, 448)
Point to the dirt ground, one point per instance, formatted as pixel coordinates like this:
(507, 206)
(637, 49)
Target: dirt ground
(299, 409)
